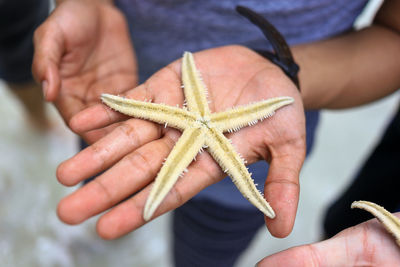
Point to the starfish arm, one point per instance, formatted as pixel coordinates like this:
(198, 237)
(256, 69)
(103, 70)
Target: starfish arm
(238, 117)
(160, 113)
(180, 157)
(230, 161)
(389, 221)
(194, 88)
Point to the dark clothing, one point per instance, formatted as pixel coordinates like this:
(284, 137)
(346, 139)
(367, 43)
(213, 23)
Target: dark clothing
(217, 234)
(377, 181)
(18, 21)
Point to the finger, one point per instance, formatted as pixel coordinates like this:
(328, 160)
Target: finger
(95, 117)
(282, 190)
(98, 116)
(327, 253)
(295, 257)
(49, 48)
(108, 150)
(93, 136)
(128, 176)
(128, 215)
(348, 248)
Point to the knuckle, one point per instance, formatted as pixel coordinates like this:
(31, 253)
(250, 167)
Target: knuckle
(130, 133)
(177, 196)
(101, 153)
(141, 162)
(108, 111)
(109, 197)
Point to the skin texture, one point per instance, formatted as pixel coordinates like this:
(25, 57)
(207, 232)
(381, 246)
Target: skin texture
(83, 50)
(355, 68)
(367, 244)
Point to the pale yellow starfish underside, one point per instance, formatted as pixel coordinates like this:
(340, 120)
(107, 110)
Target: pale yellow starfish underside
(389, 221)
(201, 129)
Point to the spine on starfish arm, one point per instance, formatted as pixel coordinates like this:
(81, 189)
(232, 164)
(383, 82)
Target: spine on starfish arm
(194, 87)
(238, 117)
(230, 161)
(182, 154)
(160, 113)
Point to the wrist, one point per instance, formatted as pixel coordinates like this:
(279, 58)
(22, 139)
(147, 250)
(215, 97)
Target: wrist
(282, 56)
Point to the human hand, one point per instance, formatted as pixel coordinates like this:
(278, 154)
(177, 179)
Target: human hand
(366, 244)
(133, 153)
(81, 51)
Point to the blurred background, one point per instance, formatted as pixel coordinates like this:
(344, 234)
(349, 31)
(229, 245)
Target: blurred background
(32, 235)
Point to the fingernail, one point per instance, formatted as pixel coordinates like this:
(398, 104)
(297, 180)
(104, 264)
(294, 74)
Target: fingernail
(45, 87)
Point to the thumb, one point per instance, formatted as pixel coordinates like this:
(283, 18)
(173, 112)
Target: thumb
(282, 188)
(343, 249)
(294, 257)
(49, 48)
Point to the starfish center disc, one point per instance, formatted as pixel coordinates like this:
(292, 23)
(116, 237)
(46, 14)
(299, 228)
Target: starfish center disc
(205, 122)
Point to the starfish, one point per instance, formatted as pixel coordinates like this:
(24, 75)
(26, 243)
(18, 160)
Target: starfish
(200, 129)
(389, 221)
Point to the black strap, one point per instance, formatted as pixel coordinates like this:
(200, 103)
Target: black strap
(282, 55)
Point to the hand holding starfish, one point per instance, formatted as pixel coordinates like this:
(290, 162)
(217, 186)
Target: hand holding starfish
(133, 153)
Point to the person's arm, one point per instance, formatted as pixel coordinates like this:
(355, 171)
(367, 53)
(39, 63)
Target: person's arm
(355, 68)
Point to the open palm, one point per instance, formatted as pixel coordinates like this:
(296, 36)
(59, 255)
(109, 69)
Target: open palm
(132, 153)
(81, 51)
